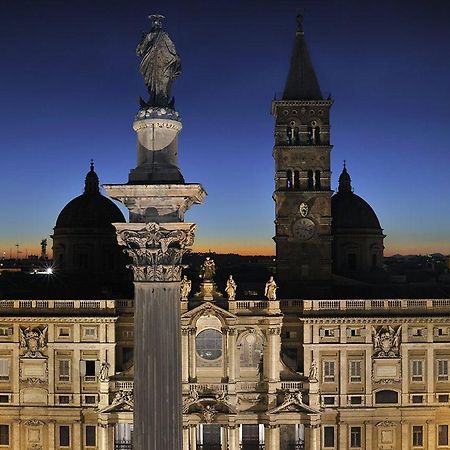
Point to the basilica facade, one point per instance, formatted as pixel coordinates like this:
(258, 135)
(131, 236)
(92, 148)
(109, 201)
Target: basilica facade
(270, 373)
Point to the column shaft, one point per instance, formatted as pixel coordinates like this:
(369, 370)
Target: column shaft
(157, 379)
(233, 438)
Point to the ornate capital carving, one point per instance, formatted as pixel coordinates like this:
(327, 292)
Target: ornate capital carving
(156, 251)
(275, 331)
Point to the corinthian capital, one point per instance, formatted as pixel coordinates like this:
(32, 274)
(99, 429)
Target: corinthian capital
(156, 250)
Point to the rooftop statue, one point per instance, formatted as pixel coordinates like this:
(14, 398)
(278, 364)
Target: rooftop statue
(208, 269)
(160, 63)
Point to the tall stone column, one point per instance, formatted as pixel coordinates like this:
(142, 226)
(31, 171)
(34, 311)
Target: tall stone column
(156, 251)
(156, 239)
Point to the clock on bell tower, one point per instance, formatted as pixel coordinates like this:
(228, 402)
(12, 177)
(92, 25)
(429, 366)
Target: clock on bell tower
(302, 173)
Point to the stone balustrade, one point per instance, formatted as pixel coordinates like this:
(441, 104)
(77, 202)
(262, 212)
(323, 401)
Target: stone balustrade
(57, 304)
(377, 304)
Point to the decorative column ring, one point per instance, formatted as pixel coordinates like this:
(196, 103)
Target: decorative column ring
(156, 250)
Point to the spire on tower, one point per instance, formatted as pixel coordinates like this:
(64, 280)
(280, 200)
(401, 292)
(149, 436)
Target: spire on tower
(345, 182)
(301, 82)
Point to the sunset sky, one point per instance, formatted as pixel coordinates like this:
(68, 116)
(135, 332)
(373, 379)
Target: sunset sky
(69, 89)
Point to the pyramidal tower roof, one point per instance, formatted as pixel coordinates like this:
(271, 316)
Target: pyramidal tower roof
(302, 81)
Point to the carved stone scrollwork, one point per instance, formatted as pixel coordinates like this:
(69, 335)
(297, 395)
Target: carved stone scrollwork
(156, 251)
(275, 331)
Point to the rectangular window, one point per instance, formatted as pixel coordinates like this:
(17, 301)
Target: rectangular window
(89, 369)
(355, 371)
(328, 437)
(4, 369)
(91, 436)
(90, 332)
(442, 434)
(64, 399)
(417, 436)
(90, 399)
(356, 400)
(417, 370)
(355, 437)
(64, 370)
(64, 332)
(442, 369)
(4, 434)
(443, 398)
(417, 399)
(64, 436)
(4, 398)
(328, 372)
(328, 400)
(5, 331)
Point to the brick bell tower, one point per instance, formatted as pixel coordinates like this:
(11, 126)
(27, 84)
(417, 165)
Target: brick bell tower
(302, 174)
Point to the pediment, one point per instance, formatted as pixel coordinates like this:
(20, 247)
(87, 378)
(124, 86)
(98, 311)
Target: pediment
(208, 308)
(118, 407)
(293, 406)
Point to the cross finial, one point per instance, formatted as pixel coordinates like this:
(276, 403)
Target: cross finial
(92, 165)
(344, 164)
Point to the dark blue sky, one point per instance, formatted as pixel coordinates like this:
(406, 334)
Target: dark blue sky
(69, 84)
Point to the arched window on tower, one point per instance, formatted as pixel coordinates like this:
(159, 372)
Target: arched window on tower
(289, 179)
(296, 179)
(310, 180)
(296, 136)
(310, 135)
(289, 135)
(317, 184)
(316, 136)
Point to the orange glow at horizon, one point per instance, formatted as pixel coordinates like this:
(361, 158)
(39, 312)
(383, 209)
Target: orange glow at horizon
(245, 248)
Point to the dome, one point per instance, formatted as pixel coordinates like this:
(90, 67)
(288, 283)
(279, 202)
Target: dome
(91, 209)
(349, 210)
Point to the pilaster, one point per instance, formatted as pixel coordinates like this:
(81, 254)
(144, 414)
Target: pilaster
(192, 356)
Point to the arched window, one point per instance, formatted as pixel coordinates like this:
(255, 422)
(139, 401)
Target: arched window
(208, 344)
(289, 179)
(251, 350)
(289, 135)
(296, 136)
(296, 179)
(316, 136)
(310, 135)
(317, 184)
(386, 396)
(310, 180)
